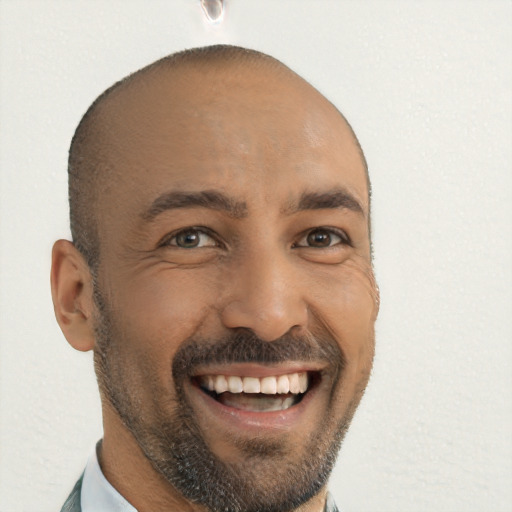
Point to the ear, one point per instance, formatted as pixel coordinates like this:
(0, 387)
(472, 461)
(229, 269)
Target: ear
(71, 282)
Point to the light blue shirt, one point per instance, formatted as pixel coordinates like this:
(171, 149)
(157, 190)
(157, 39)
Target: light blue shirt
(97, 494)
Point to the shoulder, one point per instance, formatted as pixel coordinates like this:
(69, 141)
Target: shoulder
(72, 504)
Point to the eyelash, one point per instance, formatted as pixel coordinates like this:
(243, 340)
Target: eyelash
(342, 235)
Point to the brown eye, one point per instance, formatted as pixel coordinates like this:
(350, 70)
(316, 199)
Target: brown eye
(191, 239)
(188, 239)
(320, 238)
(323, 238)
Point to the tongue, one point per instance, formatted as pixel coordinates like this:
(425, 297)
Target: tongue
(257, 402)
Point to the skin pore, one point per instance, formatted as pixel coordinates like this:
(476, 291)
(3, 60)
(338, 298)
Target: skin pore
(232, 219)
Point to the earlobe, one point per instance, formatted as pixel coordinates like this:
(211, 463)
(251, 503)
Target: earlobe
(71, 283)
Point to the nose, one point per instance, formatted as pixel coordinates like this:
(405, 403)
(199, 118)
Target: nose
(266, 297)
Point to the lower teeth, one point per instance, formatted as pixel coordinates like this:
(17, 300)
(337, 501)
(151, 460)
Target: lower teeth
(257, 402)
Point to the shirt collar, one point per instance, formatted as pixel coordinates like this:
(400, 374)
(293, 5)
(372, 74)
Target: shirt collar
(97, 493)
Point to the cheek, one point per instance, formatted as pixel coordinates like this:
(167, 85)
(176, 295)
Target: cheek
(349, 310)
(163, 309)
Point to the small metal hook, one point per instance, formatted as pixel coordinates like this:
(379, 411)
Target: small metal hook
(213, 10)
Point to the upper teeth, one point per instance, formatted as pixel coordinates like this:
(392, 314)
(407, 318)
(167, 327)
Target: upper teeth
(293, 383)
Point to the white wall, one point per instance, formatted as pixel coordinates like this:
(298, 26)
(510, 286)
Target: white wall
(427, 87)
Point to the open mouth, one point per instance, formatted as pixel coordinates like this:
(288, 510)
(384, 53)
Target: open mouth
(265, 394)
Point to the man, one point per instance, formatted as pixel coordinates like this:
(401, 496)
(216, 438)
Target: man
(221, 272)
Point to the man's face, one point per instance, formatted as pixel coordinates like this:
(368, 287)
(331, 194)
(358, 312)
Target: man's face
(234, 255)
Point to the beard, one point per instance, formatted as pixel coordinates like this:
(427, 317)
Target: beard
(272, 477)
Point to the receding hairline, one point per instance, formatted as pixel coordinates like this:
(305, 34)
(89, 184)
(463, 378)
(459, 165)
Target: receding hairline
(232, 58)
(217, 58)
(193, 58)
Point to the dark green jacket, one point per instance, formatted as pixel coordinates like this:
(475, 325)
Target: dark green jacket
(73, 502)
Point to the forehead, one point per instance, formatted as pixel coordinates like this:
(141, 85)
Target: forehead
(265, 135)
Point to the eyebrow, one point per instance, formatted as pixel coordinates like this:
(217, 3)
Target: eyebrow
(209, 199)
(334, 199)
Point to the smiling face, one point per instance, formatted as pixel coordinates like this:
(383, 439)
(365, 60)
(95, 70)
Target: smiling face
(235, 296)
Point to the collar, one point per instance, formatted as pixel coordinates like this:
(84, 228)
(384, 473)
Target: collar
(97, 493)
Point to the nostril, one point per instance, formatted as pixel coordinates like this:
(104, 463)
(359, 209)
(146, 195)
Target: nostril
(266, 325)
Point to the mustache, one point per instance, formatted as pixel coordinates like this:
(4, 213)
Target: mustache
(243, 346)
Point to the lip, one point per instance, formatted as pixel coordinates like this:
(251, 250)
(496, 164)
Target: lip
(258, 370)
(239, 422)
